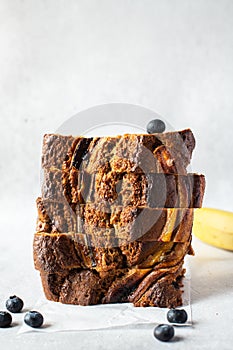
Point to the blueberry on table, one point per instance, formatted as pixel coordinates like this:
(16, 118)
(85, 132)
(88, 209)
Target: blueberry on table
(14, 304)
(155, 126)
(5, 319)
(164, 332)
(177, 316)
(33, 319)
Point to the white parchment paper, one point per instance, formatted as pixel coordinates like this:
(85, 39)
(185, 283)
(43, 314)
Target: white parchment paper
(60, 317)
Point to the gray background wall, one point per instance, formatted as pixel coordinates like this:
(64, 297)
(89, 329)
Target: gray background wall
(60, 57)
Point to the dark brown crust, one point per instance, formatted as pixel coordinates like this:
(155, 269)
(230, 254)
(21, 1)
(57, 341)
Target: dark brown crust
(199, 185)
(165, 292)
(54, 150)
(55, 253)
(143, 287)
(52, 283)
(82, 288)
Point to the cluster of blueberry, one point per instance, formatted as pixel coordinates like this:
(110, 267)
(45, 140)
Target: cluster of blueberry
(166, 332)
(14, 304)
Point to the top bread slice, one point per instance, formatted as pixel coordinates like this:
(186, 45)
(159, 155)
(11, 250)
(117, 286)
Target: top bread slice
(169, 152)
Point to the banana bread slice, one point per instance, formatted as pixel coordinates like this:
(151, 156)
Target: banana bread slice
(160, 287)
(56, 253)
(155, 190)
(123, 223)
(123, 153)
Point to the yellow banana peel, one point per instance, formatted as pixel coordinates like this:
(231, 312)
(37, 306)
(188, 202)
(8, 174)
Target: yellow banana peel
(214, 226)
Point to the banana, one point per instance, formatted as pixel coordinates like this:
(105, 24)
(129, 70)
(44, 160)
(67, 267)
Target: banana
(214, 226)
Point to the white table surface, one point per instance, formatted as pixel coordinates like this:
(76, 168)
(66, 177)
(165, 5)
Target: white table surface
(211, 294)
(60, 57)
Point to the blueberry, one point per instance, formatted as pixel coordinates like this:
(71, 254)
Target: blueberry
(177, 316)
(155, 126)
(33, 319)
(5, 319)
(14, 304)
(164, 332)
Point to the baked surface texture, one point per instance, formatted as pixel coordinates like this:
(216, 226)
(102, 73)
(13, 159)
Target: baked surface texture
(115, 218)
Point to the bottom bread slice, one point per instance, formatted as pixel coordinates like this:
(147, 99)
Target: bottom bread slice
(161, 287)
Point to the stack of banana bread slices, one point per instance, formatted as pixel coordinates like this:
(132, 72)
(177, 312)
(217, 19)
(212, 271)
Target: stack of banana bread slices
(115, 218)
